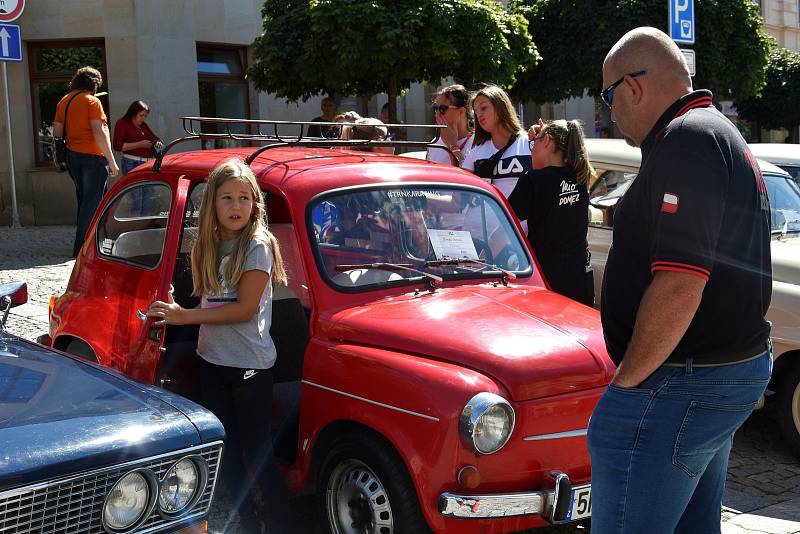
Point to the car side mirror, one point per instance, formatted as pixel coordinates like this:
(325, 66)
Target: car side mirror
(11, 295)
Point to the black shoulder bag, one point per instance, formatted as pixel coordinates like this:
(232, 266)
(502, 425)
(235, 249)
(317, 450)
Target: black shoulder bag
(60, 143)
(486, 167)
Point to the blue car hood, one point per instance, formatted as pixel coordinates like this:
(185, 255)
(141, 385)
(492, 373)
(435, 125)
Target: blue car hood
(60, 416)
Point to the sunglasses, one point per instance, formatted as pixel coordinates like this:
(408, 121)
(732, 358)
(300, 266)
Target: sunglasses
(443, 109)
(607, 94)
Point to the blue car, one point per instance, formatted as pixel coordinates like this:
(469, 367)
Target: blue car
(86, 450)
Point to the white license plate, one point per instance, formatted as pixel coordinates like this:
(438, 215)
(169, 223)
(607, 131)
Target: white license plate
(581, 506)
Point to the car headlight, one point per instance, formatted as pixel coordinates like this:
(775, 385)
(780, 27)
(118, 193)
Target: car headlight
(129, 501)
(486, 423)
(180, 486)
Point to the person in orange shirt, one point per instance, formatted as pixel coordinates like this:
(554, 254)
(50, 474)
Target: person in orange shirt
(90, 160)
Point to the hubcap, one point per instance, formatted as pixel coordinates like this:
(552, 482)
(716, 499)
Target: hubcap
(356, 500)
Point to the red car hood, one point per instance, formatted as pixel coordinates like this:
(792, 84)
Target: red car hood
(534, 342)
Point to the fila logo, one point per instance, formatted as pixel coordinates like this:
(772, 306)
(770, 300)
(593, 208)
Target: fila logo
(670, 203)
(514, 167)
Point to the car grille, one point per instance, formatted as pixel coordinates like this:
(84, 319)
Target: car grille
(75, 505)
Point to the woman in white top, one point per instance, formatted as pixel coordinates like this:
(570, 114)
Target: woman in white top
(500, 151)
(452, 109)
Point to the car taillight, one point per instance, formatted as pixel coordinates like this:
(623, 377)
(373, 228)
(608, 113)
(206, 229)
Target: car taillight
(50, 305)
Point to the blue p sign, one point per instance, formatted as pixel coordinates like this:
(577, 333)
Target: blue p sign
(681, 21)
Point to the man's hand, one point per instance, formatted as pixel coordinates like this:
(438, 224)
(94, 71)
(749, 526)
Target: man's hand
(166, 313)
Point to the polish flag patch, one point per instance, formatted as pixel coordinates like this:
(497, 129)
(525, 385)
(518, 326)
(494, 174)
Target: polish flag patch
(670, 203)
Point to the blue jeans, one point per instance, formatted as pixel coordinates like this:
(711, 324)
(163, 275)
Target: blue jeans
(127, 165)
(90, 175)
(659, 451)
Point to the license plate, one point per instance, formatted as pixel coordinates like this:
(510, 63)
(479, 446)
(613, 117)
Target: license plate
(581, 506)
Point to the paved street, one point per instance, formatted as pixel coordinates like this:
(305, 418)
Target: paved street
(763, 490)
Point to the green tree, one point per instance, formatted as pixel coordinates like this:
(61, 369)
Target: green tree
(574, 37)
(778, 105)
(353, 47)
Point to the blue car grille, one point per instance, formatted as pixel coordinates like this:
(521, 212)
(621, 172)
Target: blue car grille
(75, 504)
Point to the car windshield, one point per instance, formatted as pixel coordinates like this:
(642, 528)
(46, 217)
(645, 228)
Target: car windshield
(389, 236)
(784, 200)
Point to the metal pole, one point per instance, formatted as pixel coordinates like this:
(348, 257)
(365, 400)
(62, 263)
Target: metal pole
(14, 210)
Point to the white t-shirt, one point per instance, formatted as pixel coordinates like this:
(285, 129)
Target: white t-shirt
(443, 156)
(515, 161)
(245, 345)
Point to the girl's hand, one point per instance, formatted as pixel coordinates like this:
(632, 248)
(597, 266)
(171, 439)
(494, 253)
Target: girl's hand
(535, 130)
(166, 313)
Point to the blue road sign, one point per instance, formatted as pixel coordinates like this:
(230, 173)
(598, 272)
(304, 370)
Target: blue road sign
(681, 21)
(10, 43)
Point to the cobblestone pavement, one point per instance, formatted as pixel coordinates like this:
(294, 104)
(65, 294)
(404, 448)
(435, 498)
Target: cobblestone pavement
(763, 489)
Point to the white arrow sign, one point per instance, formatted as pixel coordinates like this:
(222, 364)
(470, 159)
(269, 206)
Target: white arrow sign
(4, 35)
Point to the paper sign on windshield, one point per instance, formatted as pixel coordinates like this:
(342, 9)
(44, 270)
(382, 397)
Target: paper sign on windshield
(452, 244)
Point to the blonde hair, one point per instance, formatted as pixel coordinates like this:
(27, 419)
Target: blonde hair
(506, 116)
(568, 137)
(205, 260)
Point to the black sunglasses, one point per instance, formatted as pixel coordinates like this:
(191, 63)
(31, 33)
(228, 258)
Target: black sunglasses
(607, 94)
(443, 109)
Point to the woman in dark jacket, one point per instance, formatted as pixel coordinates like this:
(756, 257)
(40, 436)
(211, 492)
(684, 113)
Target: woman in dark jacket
(554, 199)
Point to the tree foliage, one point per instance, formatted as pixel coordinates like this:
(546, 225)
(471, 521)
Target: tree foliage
(778, 105)
(358, 47)
(574, 37)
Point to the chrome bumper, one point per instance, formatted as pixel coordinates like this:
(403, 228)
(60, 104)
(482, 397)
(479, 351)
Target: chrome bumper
(509, 504)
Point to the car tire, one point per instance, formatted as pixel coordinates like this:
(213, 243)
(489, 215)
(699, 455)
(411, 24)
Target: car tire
(365, 487)
(81, 349)
(788, 409)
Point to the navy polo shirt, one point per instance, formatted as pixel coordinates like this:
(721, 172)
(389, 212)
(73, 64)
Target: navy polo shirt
(698, 206)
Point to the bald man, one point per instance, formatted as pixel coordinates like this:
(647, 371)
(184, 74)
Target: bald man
(687, 284)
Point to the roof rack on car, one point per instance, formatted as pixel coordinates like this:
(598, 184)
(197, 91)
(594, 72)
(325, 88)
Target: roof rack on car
(287, 133)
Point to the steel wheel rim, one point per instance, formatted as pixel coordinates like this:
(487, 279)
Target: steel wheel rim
(356, 500)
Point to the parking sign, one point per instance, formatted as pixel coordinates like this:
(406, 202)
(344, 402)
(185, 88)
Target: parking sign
(681, 21)
(10, 43)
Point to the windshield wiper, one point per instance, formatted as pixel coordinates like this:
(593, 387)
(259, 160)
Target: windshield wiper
(506, 276)
(433, 280)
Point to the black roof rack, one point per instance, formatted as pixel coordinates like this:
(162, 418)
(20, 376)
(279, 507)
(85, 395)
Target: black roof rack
(275, 134)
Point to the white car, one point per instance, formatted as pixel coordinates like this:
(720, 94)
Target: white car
(784, 155)
(617, 164)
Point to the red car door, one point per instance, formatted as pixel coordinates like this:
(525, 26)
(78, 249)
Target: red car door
(126, 264)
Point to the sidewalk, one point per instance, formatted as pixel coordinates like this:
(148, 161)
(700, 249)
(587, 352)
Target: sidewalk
(763, 486)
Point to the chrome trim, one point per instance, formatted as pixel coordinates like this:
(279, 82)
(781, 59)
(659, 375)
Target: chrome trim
(498, 505)
(370, 401)
(154, 522)
(558, 435)
(474, 410)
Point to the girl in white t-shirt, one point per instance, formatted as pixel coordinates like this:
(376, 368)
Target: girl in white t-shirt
(235, 261)
(452, 109)
(497, 128)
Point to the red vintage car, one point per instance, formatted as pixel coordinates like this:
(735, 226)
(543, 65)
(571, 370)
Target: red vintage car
(427, 378)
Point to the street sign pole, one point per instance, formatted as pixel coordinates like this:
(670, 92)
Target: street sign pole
(10, 50)
(14, 209)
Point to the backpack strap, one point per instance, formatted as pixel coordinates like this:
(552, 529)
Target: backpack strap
(64, 133)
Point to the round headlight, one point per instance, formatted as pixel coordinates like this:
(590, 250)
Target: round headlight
(128, 501)
(179, 486)
(486, 423)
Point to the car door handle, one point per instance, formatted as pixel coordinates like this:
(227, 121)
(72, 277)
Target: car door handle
(141, 315)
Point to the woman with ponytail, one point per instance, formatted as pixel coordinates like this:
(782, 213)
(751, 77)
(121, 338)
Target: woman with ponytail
(554, 199)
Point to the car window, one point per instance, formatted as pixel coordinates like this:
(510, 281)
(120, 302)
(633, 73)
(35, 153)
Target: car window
(793, 171)
(133, 227)
(413, 229)
(605, 192)
(784, 201)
